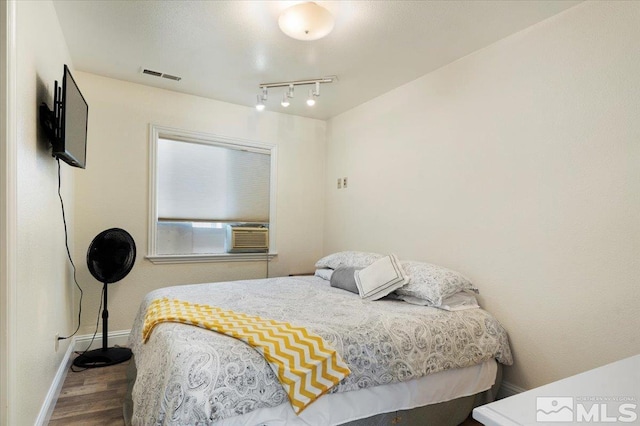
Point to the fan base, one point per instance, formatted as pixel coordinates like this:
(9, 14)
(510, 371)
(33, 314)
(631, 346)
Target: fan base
(102, 357)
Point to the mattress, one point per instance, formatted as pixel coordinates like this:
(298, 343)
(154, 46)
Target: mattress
(340, 408)
(187, 375)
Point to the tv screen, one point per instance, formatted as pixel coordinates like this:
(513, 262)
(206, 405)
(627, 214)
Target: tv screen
(73, 126)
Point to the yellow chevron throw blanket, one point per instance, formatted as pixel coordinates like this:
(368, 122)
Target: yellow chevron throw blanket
(306, 366)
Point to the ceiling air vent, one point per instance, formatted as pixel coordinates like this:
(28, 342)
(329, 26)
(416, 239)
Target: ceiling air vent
(159, 74)
(171, 77)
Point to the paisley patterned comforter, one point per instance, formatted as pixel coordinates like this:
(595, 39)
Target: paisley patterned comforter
(188, 375)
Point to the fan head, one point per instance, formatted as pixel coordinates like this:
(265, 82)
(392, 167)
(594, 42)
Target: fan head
(111, 255)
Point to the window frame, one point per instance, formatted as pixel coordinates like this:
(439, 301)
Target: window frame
(157, 132)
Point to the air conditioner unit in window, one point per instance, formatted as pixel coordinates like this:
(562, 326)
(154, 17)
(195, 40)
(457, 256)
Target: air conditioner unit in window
(246, 239)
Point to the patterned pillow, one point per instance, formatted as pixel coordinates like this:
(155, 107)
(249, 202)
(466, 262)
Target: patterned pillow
(380, 278)
(432, 282)
(355, 259)
(459, 301)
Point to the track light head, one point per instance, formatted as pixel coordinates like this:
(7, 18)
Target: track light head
(310, 100)
(285, 100)
(260, 103)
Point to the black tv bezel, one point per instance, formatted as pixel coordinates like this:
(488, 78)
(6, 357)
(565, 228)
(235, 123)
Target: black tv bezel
(58, 143)
(62, 152)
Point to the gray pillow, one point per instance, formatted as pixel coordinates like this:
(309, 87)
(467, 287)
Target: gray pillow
(343, 277)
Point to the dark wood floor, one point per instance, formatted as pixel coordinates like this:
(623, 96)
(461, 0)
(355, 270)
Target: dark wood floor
(94, 397)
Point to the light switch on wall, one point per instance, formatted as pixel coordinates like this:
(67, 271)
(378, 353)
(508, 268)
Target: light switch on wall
(339, 183)
(344, 182)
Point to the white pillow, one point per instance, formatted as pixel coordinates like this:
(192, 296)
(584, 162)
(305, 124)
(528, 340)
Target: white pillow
(433, 283)
(355, 259)
(380, 278)
(457, 302)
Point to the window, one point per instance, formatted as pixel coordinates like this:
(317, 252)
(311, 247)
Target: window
(207, 193)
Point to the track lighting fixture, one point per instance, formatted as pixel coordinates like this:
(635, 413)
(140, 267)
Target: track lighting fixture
(313, 93)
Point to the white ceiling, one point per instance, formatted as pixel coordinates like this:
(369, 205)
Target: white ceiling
(225, 49)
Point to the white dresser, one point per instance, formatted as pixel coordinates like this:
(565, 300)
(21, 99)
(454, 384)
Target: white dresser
(605, 395)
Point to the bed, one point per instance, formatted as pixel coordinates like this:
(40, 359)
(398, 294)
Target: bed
(408, 362)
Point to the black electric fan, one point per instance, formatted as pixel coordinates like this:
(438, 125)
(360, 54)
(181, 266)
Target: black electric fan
(110, 258)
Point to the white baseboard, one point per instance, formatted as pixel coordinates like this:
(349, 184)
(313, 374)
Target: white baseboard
(78, 344)
(508, 389)
(116, 338)
(56, 386)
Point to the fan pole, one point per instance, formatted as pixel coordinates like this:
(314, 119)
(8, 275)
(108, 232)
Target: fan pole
(105, 356)
(105, 320)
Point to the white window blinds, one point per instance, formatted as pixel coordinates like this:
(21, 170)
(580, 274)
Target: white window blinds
(212, 182)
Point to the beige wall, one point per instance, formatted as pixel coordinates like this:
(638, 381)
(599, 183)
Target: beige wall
(518, 165)
(113, 190)
(44, 289)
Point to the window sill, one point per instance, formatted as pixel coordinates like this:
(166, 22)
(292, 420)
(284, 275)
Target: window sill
(202, 258)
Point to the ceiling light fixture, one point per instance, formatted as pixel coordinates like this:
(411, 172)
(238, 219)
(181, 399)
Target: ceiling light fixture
(306, 21)
(313, 93)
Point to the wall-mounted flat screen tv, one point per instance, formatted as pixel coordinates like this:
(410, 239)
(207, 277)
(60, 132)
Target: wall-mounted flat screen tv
(71, 146)
(66, 125)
